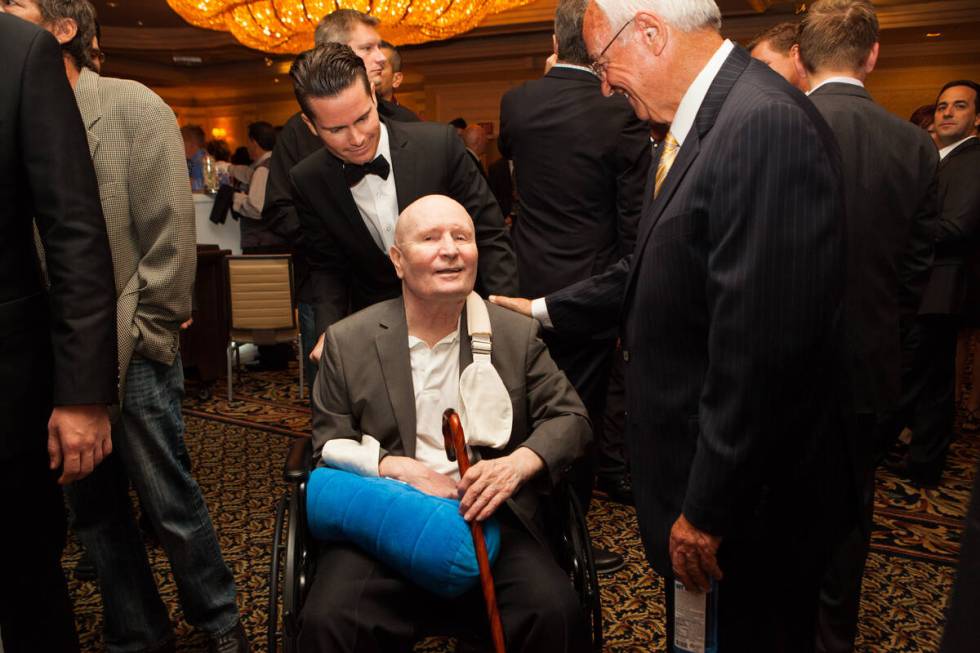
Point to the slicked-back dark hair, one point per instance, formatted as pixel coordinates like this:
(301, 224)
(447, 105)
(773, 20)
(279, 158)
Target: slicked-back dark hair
(781, 38)
(326, 71)
(568, 32)
(264, 134)
(969, 83)
(82, 13)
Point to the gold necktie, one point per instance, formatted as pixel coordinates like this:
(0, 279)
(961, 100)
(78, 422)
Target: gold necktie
(671, 147)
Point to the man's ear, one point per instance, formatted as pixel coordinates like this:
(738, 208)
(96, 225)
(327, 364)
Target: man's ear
(872, 60)
(554, 44)
(395, 255)
(64, 29)
(310, 125)
(396, 80)
(801, 72)
(652, 31)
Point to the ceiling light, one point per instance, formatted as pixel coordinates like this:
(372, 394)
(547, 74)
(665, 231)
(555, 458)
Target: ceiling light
(286, 26)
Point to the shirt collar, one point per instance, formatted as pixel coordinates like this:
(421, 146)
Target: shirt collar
(690, 104)
(450, 338)
(384, 149)
(574, 67)
(944, 152)
(842, 79)
(264, 156)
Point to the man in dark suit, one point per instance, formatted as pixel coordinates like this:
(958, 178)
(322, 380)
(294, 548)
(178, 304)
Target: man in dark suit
(889, 168)
(730, 311)
(297, 141)
(387, 374)
(57, 348)
(348, 195)
(475, 140)
(952, 294)
(578, 219)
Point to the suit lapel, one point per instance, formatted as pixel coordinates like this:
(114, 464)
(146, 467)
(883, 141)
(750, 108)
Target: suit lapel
(721, 86)
(403, 164)
(396, 366)
(973, 142)
(87, 97)
(336, 183)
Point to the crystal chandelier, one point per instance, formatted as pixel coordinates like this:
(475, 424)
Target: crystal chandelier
(286, 26)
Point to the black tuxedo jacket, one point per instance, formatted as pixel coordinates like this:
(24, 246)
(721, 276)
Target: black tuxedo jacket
(889, 168)
(580, 162)
(347, 265)
(56, 347)
(954, 283)
(294, 143)
(730, 308)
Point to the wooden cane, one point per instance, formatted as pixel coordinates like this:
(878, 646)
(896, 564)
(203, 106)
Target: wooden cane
(452, 434)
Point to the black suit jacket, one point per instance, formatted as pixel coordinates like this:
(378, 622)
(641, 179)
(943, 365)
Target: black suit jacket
(580, 163)
(57, 347)
(731, 308)
(347, 265)
(889, 169)
(294, 143)
(954, 283)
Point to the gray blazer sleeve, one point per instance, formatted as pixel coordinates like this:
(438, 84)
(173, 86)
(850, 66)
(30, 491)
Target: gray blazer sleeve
(559, 425)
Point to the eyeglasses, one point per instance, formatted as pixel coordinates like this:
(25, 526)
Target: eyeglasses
(599, 68)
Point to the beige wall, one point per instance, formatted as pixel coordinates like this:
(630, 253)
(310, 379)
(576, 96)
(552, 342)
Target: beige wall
(901, 89)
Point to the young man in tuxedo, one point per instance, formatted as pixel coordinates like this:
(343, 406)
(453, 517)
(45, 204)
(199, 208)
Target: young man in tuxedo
(296, 142)
(348, 195)
(889, 172)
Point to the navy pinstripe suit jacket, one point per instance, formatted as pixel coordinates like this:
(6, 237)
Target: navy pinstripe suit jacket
(730, 309)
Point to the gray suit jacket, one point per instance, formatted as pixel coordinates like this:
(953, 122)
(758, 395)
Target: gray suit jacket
(365, 386)
(139, 161)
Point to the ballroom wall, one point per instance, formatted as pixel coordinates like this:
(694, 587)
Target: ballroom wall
(901, 89)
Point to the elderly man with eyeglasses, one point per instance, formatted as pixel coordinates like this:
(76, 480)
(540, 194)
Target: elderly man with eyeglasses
(729, 308)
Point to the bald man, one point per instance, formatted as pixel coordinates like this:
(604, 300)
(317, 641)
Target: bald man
(475, 140)
(386, 375)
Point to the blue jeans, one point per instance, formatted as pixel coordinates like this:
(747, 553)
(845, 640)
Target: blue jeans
(148, 447)
(307, 328)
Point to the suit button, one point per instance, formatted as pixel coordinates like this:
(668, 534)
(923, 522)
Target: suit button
(626, 355)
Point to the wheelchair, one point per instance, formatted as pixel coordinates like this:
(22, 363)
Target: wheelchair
(294, 554)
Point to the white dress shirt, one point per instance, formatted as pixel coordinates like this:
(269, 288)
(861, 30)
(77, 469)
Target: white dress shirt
(842, 79)
(435, 379)
(377, 201)
(944, 152)
(687, 111)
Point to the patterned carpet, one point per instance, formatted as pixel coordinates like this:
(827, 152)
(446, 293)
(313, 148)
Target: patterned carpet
(238, 450)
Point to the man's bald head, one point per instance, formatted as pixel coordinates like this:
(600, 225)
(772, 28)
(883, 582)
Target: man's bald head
(435, 250)
(475, 138)
(431, 206)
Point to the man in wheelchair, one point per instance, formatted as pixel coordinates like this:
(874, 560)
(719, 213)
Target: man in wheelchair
(386, 375)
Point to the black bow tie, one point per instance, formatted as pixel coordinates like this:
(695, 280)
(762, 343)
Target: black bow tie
(355, 173)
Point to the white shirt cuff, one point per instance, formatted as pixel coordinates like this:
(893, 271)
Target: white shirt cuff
(539, 311)
(359, 458)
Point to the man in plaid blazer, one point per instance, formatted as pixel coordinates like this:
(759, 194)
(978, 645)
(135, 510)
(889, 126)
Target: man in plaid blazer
(138, 156)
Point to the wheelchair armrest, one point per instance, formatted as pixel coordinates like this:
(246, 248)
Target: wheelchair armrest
(299, 461)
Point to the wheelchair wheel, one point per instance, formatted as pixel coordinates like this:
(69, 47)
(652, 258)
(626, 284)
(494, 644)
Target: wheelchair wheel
(582, 569)
(300, 565)
(272, 627)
